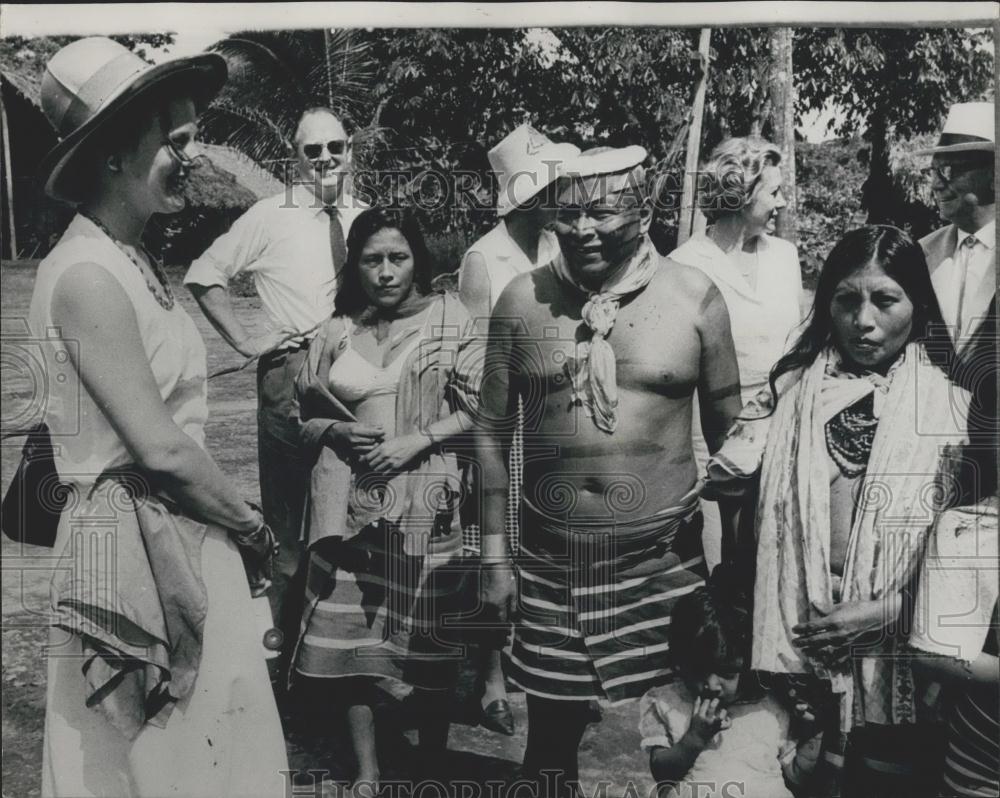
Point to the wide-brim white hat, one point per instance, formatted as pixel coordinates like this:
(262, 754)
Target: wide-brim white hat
(90, 81)
(604, 161)
(970, 127)
(525, 162)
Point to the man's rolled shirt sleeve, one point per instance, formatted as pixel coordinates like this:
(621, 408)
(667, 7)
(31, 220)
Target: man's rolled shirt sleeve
(233, 252)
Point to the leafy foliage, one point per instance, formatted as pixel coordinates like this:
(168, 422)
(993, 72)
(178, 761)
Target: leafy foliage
(274, 76)
(33, 53)
(829, 178)
(449, 95)
(912, 74)
(891, 84)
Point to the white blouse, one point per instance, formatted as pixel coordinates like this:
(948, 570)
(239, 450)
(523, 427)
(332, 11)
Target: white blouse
(763, 318)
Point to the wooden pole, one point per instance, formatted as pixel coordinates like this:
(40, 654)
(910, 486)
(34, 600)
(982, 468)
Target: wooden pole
(692, 219)
(781, 89)
(10, 177)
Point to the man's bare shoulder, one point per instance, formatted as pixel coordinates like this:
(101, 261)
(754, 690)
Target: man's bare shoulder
(683, 281)
(524, 291)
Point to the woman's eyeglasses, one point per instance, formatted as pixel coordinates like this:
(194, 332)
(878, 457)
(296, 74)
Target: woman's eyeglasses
(314, 151)
(182, 157)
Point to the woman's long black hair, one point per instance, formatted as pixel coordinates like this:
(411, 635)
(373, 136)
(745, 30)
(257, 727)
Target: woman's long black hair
(351, 297)
(904, 261)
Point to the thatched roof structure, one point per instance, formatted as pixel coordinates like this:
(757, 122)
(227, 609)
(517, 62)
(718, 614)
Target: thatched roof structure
(209, 186)
(246, 171)
(25, 82)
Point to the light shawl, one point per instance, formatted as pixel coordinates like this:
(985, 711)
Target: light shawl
(595, 383)
(920, 414)
(438, 378)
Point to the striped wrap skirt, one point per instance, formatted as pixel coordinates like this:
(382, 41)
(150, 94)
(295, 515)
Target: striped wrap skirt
(374, 610)
(594, 602)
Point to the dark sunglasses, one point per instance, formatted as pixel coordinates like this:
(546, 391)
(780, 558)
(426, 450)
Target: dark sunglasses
(945, 172)
(314, 151)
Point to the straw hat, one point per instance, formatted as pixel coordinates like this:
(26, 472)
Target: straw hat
(525, 162)
(88, 82)
(604, 161)
(970, 127)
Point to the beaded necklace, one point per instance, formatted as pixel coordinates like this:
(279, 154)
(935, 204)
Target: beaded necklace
(850, 435)
(166, 298)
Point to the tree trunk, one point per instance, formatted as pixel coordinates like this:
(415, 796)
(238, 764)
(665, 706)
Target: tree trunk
(9, 182)
(781, 90)
(691, 219)
(878, 194)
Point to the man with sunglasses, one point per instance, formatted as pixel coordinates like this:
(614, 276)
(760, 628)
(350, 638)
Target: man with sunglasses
(606, 345)
(294, 246)
(963, 267)
(962, 255)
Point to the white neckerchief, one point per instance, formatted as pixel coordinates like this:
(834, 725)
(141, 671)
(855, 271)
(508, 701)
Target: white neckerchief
(595, 383)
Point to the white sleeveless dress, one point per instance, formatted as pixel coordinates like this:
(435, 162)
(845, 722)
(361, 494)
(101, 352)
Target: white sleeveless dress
(224, 738)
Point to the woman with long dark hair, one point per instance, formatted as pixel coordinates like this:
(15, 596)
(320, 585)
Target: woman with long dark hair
(851, 444)
(387, 383)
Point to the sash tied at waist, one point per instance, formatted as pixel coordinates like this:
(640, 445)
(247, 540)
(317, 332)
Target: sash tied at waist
(635, 547)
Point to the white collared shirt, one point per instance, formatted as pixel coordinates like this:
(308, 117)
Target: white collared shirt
(284, 241)
(505, 259)
(763, 318)
(980, 282)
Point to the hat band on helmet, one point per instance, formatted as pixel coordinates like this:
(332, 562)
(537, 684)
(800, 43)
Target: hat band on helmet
(948, 139)
(98, 88)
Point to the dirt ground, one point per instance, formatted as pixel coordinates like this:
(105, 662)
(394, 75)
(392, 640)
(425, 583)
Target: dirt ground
(609, 752)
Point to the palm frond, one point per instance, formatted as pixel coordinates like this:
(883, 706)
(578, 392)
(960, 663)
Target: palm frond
(275, 76)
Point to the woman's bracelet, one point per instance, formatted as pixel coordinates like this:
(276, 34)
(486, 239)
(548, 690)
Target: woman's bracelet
(251, 538)
(248, 538)
(258, 521)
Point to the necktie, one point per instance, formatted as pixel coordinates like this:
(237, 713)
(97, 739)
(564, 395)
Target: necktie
(338, 246)
(963, 256)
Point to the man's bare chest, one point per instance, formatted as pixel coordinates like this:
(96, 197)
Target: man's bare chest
(655, 349)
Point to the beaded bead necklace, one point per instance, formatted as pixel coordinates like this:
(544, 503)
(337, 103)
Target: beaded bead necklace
(166, 298)
(850, 435)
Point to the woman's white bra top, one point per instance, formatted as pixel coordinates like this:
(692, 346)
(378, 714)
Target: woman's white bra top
(352, 378)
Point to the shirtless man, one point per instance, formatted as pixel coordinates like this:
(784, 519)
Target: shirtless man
(606, 346)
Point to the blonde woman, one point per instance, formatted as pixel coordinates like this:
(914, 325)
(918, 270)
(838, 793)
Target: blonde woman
(757, 273)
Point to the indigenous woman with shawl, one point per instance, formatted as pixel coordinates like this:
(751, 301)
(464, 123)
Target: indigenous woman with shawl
(851, 472)
(387, 383)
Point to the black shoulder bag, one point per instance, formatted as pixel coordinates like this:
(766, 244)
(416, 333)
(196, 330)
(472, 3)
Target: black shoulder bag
(35, 499)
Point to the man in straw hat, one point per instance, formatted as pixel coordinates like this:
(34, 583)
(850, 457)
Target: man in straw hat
(962, 260)
(962, 255)
(607, 345)
(526, 164)
(294, 246)
(963, 266)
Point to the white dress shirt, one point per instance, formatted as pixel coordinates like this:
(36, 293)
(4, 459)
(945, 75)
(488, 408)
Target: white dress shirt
(979, 280)
(284, 241)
